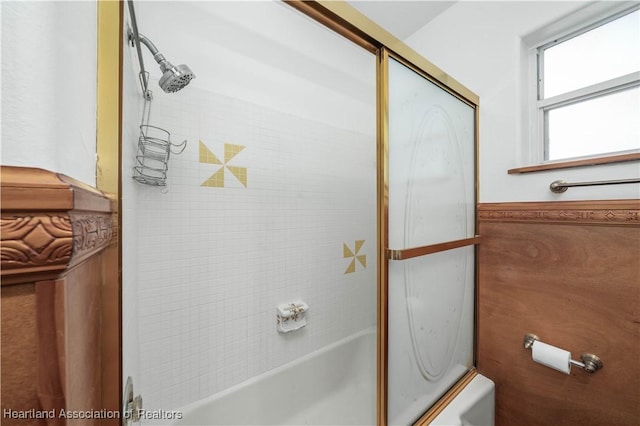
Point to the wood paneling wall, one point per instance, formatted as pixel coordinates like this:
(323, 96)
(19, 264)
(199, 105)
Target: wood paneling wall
(570, 273)
(19, 359)
(54, 232)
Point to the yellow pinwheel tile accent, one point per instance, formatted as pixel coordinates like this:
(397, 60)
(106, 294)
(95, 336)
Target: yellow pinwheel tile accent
(231, 151)
(206, 156)
(240, 173)
(216, 180)
(347, 253)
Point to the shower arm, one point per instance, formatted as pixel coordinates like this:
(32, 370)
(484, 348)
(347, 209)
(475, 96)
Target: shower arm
(159, 57)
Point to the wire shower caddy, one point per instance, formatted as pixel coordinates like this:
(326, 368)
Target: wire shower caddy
(154, 149)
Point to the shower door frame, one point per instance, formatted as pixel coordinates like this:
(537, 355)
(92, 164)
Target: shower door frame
(110, 41)
(353, 25)
(386, 254)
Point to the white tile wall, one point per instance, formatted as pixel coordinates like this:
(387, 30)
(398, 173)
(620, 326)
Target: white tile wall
(213, 263)
(208, 266)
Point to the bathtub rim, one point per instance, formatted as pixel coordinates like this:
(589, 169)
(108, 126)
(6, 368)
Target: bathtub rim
(192, 406)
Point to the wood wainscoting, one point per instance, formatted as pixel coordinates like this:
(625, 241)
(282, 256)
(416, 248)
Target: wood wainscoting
(568, 272)
(54, 232)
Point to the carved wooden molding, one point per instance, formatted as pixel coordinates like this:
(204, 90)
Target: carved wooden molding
(600, 212)
(35, 240)
(49, 223)
(91, 233)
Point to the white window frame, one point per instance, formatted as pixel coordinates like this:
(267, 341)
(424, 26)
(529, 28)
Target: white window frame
(575, 24)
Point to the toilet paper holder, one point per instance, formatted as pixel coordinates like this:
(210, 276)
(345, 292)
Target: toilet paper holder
(590, 362)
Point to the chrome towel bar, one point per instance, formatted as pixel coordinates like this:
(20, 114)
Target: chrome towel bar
(560, 186)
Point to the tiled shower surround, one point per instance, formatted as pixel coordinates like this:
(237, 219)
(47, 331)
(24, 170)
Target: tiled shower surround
(262, 208)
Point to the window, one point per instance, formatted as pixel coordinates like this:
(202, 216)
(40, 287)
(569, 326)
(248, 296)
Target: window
(588, 89)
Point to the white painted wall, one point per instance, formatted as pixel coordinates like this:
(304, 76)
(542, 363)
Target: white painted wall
(480, 44)
(49, 65)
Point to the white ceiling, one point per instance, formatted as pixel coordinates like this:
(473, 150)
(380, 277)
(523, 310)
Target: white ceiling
(401, 18)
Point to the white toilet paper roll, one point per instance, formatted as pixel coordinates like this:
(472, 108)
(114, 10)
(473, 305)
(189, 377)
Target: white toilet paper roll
(552, 357)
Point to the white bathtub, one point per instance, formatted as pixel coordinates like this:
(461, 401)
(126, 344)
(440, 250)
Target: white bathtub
(335, 385)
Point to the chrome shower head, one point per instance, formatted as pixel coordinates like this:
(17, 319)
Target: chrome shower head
(173, 78)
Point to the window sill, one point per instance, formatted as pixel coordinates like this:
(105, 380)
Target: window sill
(576, 163)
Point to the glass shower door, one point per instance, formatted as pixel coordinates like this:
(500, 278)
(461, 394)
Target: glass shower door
(431, 224)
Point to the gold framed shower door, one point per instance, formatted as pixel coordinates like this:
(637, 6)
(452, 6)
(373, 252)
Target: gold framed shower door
(346, 21)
